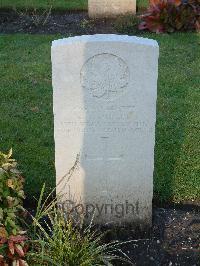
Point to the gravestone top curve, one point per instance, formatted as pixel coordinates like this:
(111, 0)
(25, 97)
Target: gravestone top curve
(105, 38)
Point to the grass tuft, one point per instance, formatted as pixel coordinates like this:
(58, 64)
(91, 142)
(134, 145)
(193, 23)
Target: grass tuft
(56, 240)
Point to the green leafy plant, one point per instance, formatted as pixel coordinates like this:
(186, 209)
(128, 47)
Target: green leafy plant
(12, 239)
(58, 240)
(53, 237)
(86, 24)
(171, 15)
(127, 24)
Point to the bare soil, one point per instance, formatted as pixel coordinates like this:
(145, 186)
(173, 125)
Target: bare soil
(173, 240)
(77, 23)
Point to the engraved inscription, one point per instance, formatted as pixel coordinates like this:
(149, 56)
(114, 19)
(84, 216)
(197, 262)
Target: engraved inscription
(116, 120)
(101, 128)
(105, 76)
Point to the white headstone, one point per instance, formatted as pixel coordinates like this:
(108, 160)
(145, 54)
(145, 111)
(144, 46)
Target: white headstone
(109, 8)
(105, 89)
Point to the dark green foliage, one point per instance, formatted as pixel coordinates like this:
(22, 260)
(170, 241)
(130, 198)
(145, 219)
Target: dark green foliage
(127, 24)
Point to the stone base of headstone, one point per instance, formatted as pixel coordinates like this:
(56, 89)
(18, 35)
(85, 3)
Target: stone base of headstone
(110, 8)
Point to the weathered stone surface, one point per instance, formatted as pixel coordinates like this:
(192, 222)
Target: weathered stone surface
(105, 89)
(110, 8)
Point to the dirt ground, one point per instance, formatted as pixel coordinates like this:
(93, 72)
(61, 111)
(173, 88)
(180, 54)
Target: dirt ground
(64, 23)
(173, 240)
(175, 236)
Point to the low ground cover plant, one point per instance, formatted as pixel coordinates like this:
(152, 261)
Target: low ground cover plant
(58, 239)
(127, 24)
(12, 238)
(51, 237)
(171, 15)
